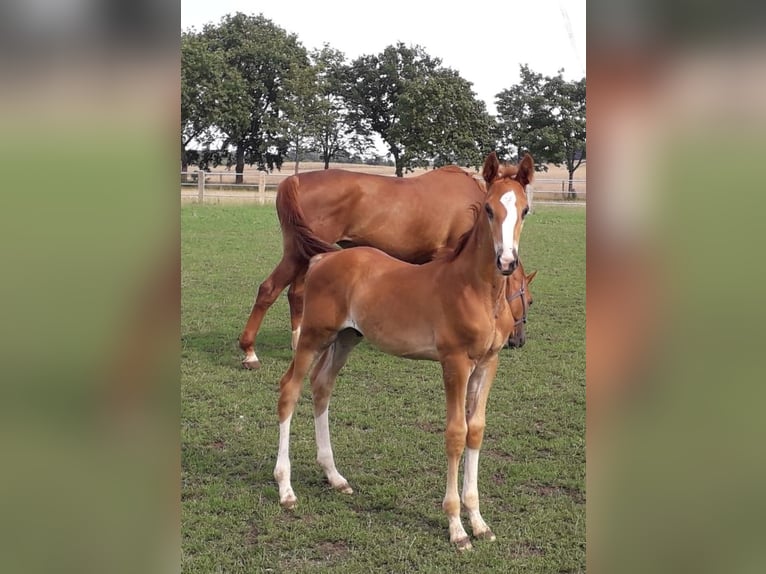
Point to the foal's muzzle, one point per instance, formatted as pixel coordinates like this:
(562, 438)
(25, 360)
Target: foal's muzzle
(511, 266)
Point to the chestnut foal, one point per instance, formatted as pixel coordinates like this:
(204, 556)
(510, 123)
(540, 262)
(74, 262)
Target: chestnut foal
(454, 310)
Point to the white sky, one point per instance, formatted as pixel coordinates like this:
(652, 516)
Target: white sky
(485, 42)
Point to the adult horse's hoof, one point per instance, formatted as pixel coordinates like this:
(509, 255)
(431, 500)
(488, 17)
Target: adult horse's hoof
(252, 365)
(464, 544)
(289, 503)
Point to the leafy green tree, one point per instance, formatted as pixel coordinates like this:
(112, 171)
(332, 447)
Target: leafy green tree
(545, 116)
(301, 110)
(452, 126)
(334, 132)
(263, 74)
(422, 111)
(201, 90)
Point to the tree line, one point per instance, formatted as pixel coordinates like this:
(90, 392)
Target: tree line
(251, 93)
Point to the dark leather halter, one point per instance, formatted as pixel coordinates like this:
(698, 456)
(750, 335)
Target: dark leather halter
(520, 293)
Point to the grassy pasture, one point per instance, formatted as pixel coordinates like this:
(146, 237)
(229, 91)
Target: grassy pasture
(387, 420)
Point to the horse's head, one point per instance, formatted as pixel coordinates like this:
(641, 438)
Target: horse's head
(506, 206)
(520, 299)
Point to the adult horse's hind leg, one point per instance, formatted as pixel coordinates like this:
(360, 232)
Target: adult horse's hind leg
(322, 383)
(295, 299)
(479, 385)
(284, 273)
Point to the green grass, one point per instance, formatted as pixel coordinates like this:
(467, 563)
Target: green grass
(387, 419)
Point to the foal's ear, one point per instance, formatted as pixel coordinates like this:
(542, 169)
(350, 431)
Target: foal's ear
(531, 276)
(491, 168)
(526, 170)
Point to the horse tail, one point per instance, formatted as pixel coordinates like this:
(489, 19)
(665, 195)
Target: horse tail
(294, 227)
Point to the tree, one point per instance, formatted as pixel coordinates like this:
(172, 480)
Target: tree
(545, 116)
(453, 127)
(301, 110)
(262, 73)
(201, 85)
(333, 130)
(421, 110)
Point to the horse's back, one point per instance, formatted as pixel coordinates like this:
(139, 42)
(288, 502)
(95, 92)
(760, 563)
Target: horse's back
(409, 218)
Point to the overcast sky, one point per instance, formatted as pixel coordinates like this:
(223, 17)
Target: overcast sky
(484, 41)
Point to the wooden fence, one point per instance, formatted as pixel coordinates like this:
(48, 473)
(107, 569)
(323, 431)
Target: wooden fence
(260, 187)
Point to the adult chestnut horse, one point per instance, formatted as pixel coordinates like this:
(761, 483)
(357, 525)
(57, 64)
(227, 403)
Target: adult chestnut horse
(412, 219)
(453, 309)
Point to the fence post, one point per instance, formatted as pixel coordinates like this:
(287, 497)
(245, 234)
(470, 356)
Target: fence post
(200, 185)
(262, 189)
(530, 191)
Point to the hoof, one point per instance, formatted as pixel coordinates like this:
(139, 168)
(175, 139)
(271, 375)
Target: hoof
(252, 365)
(345, 488)
(464, 544)
(289, 503)
(486, 535)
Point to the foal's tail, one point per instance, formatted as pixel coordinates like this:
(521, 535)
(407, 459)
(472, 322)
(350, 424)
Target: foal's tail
(294, 227)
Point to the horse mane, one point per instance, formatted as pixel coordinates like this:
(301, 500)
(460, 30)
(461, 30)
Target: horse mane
(452, 169)
(293, 221)
(457, 169)
(451, 254)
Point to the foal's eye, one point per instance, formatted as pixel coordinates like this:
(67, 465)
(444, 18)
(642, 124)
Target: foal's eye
(489, 211)
(524, 213)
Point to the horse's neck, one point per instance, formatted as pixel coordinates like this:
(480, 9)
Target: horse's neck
(476, 263)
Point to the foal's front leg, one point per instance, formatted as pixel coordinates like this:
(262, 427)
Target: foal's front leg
(455, 372)
(476, 405)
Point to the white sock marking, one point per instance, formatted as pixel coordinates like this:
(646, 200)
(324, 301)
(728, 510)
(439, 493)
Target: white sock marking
(470, 478)
(471, 491)
(282, 469)
(324, 451)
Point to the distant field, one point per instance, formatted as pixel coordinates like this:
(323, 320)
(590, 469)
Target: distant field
(219, 188)
(387, 421)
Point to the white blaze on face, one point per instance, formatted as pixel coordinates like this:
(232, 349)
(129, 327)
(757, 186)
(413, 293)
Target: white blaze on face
(509, 243)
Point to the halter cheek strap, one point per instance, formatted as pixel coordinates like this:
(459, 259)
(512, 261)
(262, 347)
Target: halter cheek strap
(520, 293)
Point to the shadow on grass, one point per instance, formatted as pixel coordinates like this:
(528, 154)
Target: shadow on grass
(230, 465)
(235, 469)
(222, 349)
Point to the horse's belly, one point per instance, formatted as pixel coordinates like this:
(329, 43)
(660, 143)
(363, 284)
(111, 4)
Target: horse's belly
(402, 344)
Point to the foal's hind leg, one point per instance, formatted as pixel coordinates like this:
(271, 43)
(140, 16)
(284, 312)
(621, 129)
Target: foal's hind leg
(289, 392)
(322, 383)
(295, 299)
(479, 385)
(283, 274)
